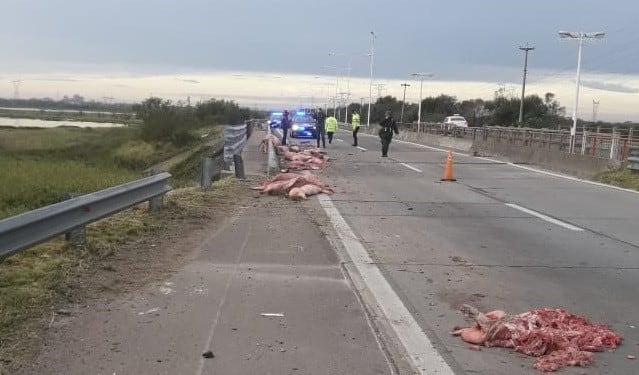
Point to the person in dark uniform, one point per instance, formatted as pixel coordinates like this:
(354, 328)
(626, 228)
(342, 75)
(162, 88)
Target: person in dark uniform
(320, 119)
(286, 124)
(388, 126)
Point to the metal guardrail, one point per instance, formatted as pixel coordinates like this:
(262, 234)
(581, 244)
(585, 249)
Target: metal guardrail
(30, 228)
(614, 145)
(235, 137)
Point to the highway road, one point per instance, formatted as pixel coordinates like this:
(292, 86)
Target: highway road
(502, 236)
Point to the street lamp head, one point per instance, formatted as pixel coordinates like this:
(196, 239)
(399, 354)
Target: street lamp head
(422, 75)
(581, 35)
(568, 34)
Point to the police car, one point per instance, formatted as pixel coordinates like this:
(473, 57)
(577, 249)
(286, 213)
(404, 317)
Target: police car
(303, 125)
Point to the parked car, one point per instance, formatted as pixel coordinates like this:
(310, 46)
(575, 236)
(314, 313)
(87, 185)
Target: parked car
(303, 126)
(455, 121)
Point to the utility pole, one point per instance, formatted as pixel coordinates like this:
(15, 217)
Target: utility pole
(401, 118)
(523, 86)
(595, 108)
(380, 87)
(370, 86)
(16, 88)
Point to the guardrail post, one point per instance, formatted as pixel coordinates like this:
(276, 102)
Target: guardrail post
(211, 171)
(206, 177)
(239, 166)
(155, 203)
(78, 235)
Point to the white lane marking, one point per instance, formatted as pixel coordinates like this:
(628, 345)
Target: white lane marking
(545, 217)
(566, 177)
(530, 169)
(411, 167)
(422, 354)
(361, 148)
(339, 140)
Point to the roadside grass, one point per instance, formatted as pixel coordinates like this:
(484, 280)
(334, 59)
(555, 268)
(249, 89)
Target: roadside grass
(622, 177)
(39, 166)
(36, 283)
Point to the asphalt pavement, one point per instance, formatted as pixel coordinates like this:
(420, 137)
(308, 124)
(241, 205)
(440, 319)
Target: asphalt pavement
(369, 280)
(502, 236)
(266, 293)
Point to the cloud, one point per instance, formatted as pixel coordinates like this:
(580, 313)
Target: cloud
(614, 87)
(54, 79)
(190, 81)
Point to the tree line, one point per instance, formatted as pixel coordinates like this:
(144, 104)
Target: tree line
(538, 112)
(164, 120)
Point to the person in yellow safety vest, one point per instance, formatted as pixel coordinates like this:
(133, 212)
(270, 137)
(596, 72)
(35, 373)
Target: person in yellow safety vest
(331, 127)
(355, 123)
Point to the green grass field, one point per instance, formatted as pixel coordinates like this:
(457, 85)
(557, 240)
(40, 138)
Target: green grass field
(39, 166)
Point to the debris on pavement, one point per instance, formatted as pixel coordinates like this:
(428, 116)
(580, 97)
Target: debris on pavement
(557, 337)
(208, 354)
(272, 314)
(296, 186)
(299, 159)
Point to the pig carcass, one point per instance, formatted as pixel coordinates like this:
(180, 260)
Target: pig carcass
(306, 191)
(264, 143)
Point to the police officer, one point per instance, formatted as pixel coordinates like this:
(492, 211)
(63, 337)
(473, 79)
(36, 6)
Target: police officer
(286, 124)
(320, 119)
(331, 128)
(355, 124)
(388, 126)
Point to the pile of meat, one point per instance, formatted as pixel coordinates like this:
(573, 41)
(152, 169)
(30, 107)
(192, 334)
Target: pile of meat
(295, 186)
(557, 337)
(296, 158)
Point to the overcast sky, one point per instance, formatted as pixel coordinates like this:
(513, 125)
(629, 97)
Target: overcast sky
(459, 41)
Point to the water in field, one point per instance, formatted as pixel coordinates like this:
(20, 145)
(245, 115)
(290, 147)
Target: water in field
(34, 123)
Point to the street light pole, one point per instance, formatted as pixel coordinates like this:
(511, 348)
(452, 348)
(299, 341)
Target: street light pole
(370, 86)
(419, 111)
(523, 86)
(580, 37)
(401, 118)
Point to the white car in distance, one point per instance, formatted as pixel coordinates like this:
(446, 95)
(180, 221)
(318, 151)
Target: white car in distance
(455, 121)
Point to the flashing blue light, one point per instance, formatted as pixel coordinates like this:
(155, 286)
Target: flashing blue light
(301, 113)
(276, 114)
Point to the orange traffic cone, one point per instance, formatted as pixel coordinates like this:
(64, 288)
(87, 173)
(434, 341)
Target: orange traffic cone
(448, 168)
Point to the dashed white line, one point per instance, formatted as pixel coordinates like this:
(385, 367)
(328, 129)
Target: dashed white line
(411, 167)
(545, 217)
(361, 148)
(420, 350)
(339, 140)
(535, 170)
